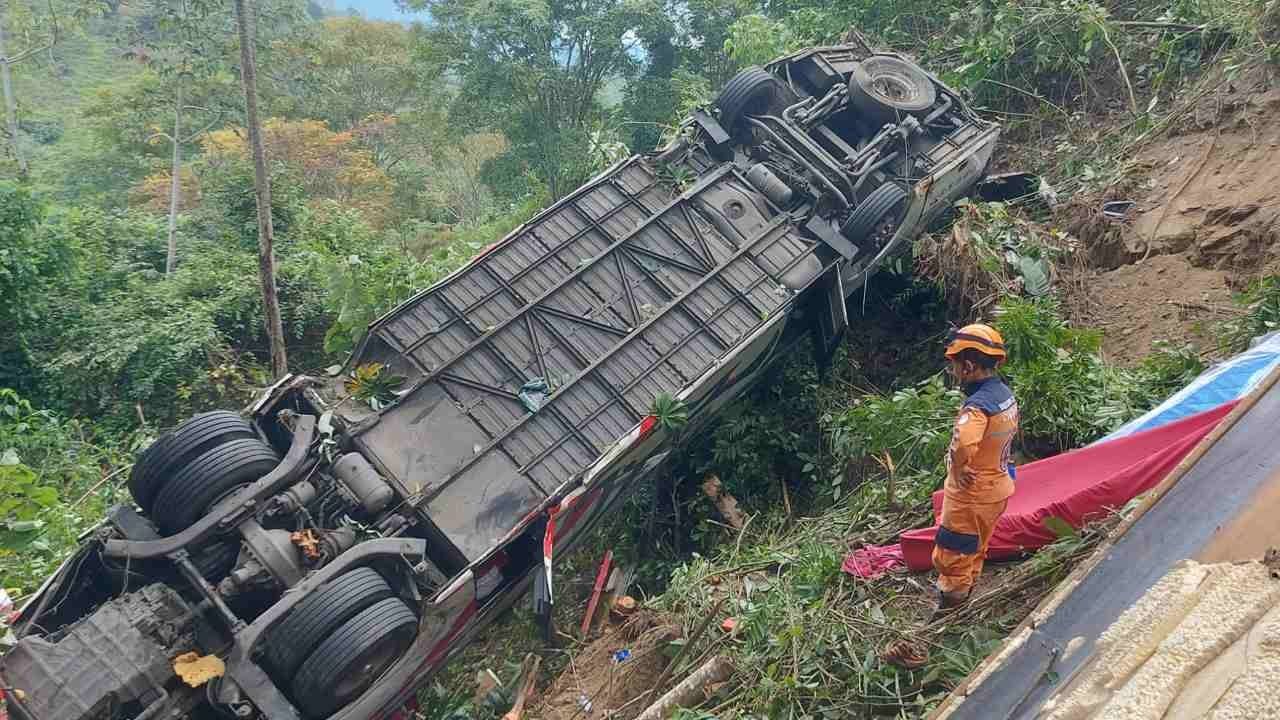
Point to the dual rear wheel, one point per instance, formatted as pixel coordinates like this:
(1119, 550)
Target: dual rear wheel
(882, 89)
(186, 471)
(332, 646)
(338, 640)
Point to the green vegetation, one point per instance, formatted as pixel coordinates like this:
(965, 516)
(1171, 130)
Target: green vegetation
(808, 637)
(398, 152)
(1262, 314)
(55, 479)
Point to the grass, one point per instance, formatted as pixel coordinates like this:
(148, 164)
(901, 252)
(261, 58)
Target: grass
(501, 646)
(1261, 301)
(808, 637)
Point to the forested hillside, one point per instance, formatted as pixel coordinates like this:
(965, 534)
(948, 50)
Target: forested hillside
(129, 296)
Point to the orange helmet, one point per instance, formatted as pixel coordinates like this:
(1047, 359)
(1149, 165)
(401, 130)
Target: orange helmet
(983, 338)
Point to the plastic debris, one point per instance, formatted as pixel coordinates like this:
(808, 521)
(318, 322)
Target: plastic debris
(533, 394)
(621, 656)
(1117, 209)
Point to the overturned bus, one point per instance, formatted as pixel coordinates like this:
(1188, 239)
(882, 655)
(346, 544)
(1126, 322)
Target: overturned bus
(334, 548)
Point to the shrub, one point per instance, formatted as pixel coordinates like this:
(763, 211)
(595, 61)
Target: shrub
(367, 277)
(767, 437)
(114, 335)
(756, 40)
(1261, 315)
(55, 480)
(993, 250)
(328, 165)
(875, 427)
(1055, 372)
(1130, 393)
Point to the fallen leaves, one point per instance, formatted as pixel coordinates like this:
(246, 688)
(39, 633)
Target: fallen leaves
(904, 654)
(196, 669)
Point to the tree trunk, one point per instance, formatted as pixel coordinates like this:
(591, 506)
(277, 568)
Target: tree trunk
(262, 190)
(171, 258)
(10, 105)
(692, 691)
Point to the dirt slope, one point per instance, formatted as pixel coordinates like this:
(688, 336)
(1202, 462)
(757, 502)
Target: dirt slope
(613, 684)
(1165, 298)
(1210, 191)
(1202, 221)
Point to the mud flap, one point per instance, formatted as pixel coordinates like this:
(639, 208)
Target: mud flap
(543, 598)
(829, 318)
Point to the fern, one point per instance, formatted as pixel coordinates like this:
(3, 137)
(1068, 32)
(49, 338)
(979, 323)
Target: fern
(672, 414)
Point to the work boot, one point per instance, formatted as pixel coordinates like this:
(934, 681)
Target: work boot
(947, 603)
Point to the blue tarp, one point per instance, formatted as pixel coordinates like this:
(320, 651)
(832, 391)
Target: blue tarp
(1222, 383)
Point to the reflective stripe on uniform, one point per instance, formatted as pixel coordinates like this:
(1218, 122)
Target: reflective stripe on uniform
(963, 543)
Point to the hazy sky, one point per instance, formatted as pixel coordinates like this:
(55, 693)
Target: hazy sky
(377, 9)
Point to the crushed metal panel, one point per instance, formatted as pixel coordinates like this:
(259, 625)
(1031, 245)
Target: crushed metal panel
(108, 659)
(478, 507)
(423, 439)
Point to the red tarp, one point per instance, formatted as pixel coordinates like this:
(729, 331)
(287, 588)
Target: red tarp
(1077, 486)
(872, 561)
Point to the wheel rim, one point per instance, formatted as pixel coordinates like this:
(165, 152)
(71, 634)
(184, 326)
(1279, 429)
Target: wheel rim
(894, 88)
(368, 666)
(887, 226)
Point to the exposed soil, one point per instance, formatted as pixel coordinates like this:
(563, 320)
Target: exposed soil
(612, 688)
(1204, 220)
(1210, 191)
(1165, 298)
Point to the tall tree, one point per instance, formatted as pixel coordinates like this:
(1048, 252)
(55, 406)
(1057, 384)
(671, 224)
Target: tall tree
(536, 70)
(345, 69)
(46, 31)
(181, 41)
(377, 80)
(262, 189)
(702, 28)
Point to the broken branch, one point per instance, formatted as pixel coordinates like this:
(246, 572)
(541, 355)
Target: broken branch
(1029, 94)
(530, 667)
(1124, 72)
(725, 503)
(691, 691)
(697, 635)
(53, 40)
(100, 483)
(1159, 25)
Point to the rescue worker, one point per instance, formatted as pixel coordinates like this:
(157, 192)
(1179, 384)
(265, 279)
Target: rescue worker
(978, 484)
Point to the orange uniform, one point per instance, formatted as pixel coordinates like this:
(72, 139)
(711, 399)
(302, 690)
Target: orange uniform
(978, 484)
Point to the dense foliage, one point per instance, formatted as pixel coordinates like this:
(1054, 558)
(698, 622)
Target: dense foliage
(398, 151)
